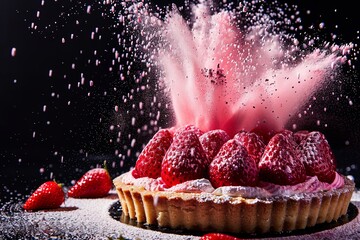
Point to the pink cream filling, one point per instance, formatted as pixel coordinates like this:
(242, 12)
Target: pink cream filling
(265, 189)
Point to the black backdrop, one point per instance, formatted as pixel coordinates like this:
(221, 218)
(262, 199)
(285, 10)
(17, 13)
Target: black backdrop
(47, 130)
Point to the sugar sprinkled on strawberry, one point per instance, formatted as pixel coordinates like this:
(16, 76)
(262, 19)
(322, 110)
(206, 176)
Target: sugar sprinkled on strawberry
(264, 133)
(150, 159)
(317, 157)
(233, 166)
(291, 138)
(253, 144)
(185, 159)
(212, 141)
(48, 196)
(300, 135)
(94, 183)
(288, 134)
(191, 127)
(281, 163)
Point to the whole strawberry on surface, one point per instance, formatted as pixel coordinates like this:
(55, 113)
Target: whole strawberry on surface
(94, 183)
(49, 195)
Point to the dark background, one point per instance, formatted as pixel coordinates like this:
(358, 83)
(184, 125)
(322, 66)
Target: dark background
(65, 140)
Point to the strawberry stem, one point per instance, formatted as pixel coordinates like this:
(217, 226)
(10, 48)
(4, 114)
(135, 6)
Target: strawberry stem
(59, 184)
(105, 166)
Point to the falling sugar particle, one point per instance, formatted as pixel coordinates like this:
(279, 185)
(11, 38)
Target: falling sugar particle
(13, 52)
(133, 120)
(133, 141)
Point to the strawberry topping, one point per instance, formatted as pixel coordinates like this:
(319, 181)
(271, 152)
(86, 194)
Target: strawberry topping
(300, 135)
(264, 132)
(212, 141)
(233, 166)
(191, 127)
(253, 144)
(317, 157)
(281, 163)
(185, 159)
(288, 134)
(186, 153)
(149, 160)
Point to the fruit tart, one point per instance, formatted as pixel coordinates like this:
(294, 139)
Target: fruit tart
(209, 181)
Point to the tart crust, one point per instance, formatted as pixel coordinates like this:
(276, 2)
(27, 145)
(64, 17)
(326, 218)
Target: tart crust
(209, 212)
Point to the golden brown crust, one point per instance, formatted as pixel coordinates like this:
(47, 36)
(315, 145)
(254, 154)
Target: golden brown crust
(208, 212)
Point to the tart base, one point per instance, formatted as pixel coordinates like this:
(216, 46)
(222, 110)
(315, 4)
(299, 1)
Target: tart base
(208, 212)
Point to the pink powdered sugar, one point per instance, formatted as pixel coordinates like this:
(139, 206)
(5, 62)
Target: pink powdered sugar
(220, 77)
(265, 189)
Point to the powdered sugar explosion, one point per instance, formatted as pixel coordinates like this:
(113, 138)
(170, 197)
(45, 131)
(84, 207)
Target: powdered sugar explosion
(237, 69)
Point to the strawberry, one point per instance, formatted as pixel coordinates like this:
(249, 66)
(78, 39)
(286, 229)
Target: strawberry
(281, 163)
(264, 133)
(300, 135)
(212, 141)
(149, 160)
(218, 236)
(288, 134)
(93, 184)
(48, 196)
(317, 157)
(185, 159)
(191, 127)
(233, 166)
(253, 144)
